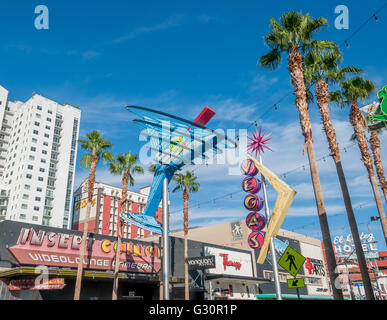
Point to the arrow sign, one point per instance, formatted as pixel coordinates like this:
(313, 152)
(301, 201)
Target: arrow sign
(296, 283)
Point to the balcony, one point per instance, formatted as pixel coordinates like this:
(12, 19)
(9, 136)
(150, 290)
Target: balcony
(47, 214)
(56, 160)
(4, 131)
(51, 186)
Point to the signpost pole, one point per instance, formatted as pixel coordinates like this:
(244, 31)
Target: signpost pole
(165, 241)
(272, 248)
(298, 294)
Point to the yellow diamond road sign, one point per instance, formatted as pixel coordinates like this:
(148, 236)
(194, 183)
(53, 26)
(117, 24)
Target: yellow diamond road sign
(296, 283)
(291, 261)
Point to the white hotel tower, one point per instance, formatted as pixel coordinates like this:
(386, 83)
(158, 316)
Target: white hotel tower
(38, 150)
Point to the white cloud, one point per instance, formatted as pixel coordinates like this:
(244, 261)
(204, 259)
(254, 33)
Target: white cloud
(90, 54)
(170, 22)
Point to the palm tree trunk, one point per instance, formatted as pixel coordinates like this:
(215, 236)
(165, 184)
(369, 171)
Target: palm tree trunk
(119, 235)
(94, 161)
(295, 67)
(328, 247)
(186, 283)
(375, 147)
(322, 95)
(358, 124)
(369, 292)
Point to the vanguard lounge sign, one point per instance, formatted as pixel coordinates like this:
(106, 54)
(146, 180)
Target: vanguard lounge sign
(62, 250)
(206, 262)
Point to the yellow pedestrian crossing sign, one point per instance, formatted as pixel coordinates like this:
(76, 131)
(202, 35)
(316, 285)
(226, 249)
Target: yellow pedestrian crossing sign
(296, 283)
(291, 261)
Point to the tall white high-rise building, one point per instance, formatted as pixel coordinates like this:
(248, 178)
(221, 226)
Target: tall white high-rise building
(38, 150)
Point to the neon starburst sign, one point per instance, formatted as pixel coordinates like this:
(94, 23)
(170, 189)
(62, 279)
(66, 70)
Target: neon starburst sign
(258, 142)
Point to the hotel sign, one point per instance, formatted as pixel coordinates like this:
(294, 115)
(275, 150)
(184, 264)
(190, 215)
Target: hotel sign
(345, 248)
(38, 247)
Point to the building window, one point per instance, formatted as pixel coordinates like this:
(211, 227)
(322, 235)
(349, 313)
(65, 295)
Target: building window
(36, 208)
(35, 218)
(34, 140)
(30, 167)
(37, 199)
(29, 176)
(31, 158)
(39, 108)
(27, 187)
(46, 135)
(140, 233)
(44, 151)
(37, 123)
(25, 196)
(39, 189)
(49, 111)
(35, 132)
(33, 149)
(45, 143)
(40, 178)
(22, 216)
(41, 169)
(24, 206)
(49, 119)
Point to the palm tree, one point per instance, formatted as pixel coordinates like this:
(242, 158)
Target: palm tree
(96, 146)
(125, 165)
(294, 36)
(355, 89)
(186, 183)
(375, 147)
(152, 168)
(322, 68)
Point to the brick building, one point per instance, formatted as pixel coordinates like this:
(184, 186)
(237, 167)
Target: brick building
(105, 207)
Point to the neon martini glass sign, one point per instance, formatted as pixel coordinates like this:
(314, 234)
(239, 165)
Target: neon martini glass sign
(174, 142)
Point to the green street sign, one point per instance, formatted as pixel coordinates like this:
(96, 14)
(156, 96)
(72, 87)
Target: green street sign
(296, 283)
(291, 261)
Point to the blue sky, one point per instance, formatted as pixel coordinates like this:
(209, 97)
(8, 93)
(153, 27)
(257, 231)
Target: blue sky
(179, 56)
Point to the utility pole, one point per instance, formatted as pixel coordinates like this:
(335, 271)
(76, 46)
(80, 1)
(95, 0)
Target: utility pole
(165, 241)
(272, 248)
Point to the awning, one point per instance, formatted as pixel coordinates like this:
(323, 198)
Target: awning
(22, 271)
(237, 278)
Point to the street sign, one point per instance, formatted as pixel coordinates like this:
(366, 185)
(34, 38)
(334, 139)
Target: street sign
(291, 261)
(358, 284)
(296, 283)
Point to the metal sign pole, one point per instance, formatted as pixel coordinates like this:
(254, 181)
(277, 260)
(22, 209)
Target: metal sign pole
(165, 241)
(272, 248)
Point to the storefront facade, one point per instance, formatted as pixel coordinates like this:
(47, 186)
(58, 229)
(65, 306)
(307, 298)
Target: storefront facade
(234, 235)
(45, 259)
(233, 276)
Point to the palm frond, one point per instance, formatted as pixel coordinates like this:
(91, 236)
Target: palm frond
(271, 60)
(86, 160)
